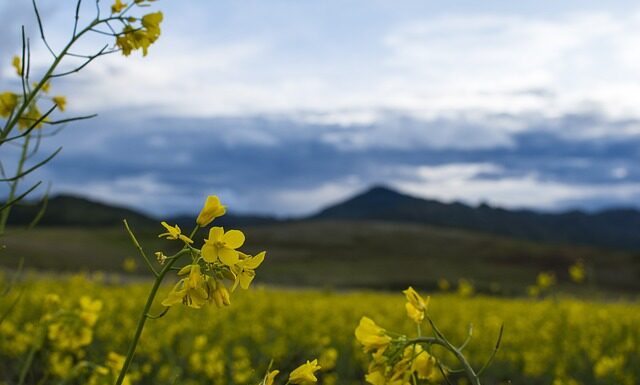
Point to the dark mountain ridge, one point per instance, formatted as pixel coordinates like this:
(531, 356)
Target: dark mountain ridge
(613, 228)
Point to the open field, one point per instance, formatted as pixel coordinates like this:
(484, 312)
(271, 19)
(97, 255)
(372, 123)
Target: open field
(561, 341)
(339, 254)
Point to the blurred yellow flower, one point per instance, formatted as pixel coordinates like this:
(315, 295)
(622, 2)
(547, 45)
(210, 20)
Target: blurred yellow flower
(578, 272)
(270, 377)
(60, 101)
(222, 246)
(118, 6)
(15, 62)
(8, 101)
(174, 233)
(443, 284)
(212, 209)
(129, 265)
(152, 22)
(305, 373)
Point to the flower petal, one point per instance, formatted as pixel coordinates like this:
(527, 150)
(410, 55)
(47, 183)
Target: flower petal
(233, 239)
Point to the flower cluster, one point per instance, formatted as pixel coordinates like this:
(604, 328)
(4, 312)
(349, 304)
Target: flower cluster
(217, 261)
(304, 374)
(137, 34)
(31, 116)
(396, 360)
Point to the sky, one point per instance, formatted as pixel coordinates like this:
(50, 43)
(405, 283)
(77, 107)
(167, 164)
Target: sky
(284, 107)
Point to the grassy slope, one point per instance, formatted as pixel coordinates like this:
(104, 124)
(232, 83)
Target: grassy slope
(347, 254)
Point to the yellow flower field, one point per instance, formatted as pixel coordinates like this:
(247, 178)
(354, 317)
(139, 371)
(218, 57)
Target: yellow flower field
(564, 341)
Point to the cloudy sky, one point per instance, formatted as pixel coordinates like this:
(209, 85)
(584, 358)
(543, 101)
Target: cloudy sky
(282, 107)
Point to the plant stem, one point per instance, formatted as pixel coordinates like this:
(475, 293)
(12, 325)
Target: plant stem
(144, 315)
(471, 374)
(4, 215)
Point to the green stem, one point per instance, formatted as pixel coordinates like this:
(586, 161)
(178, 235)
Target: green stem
(471, 374)
(4, 215)
(29, 362)
(145, 313)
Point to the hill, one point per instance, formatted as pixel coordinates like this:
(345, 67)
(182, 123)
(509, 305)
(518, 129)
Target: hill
(615, 228)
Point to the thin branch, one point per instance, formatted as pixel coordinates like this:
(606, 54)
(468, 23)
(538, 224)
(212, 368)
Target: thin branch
(495, 351)
(19, 197)
(75, 23)
(30, 170)
(43, 209)
(21, 68)
(44, 39)
(469, 335)
(33, 126)
(140, 249)
(165, 311)
(77, 69)
(62, 121)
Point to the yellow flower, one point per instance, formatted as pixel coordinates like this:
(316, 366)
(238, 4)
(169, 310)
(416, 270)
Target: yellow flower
(191, 291)
(375, 378)
(212, 209)
(152, 22)
(443, 284)
(577, 272)
(245, 269)
(416, 306)
(30, 118)
(60, 101)
(89, 310)
(222, 246)
(423, 363)
(174, 233)
(219, 294)
(16, 64)
(370, 335)
(129, 265)
(8, 101)
(305, 373)
(465, 288)
(546, 280)
(270, 377)
(118, 6)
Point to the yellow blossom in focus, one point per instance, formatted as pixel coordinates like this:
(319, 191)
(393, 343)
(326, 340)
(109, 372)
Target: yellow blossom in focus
(118, 6)
(245, 269)
(415, 306)
(174, 233)
(17, 65)
(8, 101)
(60, 101)
(370, 335)
(305, 373)
(219, 294)
(212, 209)
(423, 363)
(222, 246)
(191, 291)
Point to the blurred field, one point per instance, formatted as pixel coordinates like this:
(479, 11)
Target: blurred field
(561, 341)
(340, 254)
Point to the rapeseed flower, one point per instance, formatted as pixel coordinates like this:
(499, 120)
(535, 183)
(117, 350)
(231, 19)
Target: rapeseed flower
(245, 269)
(305, 373)
(270, 377)
(8, 101)
(371, 336)
(174, 233)
(118, 6)
(60, 101)
(577, 272)
(15, 62)
(415, 306)
(222, 246)
(212, 209)
(191, 291)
